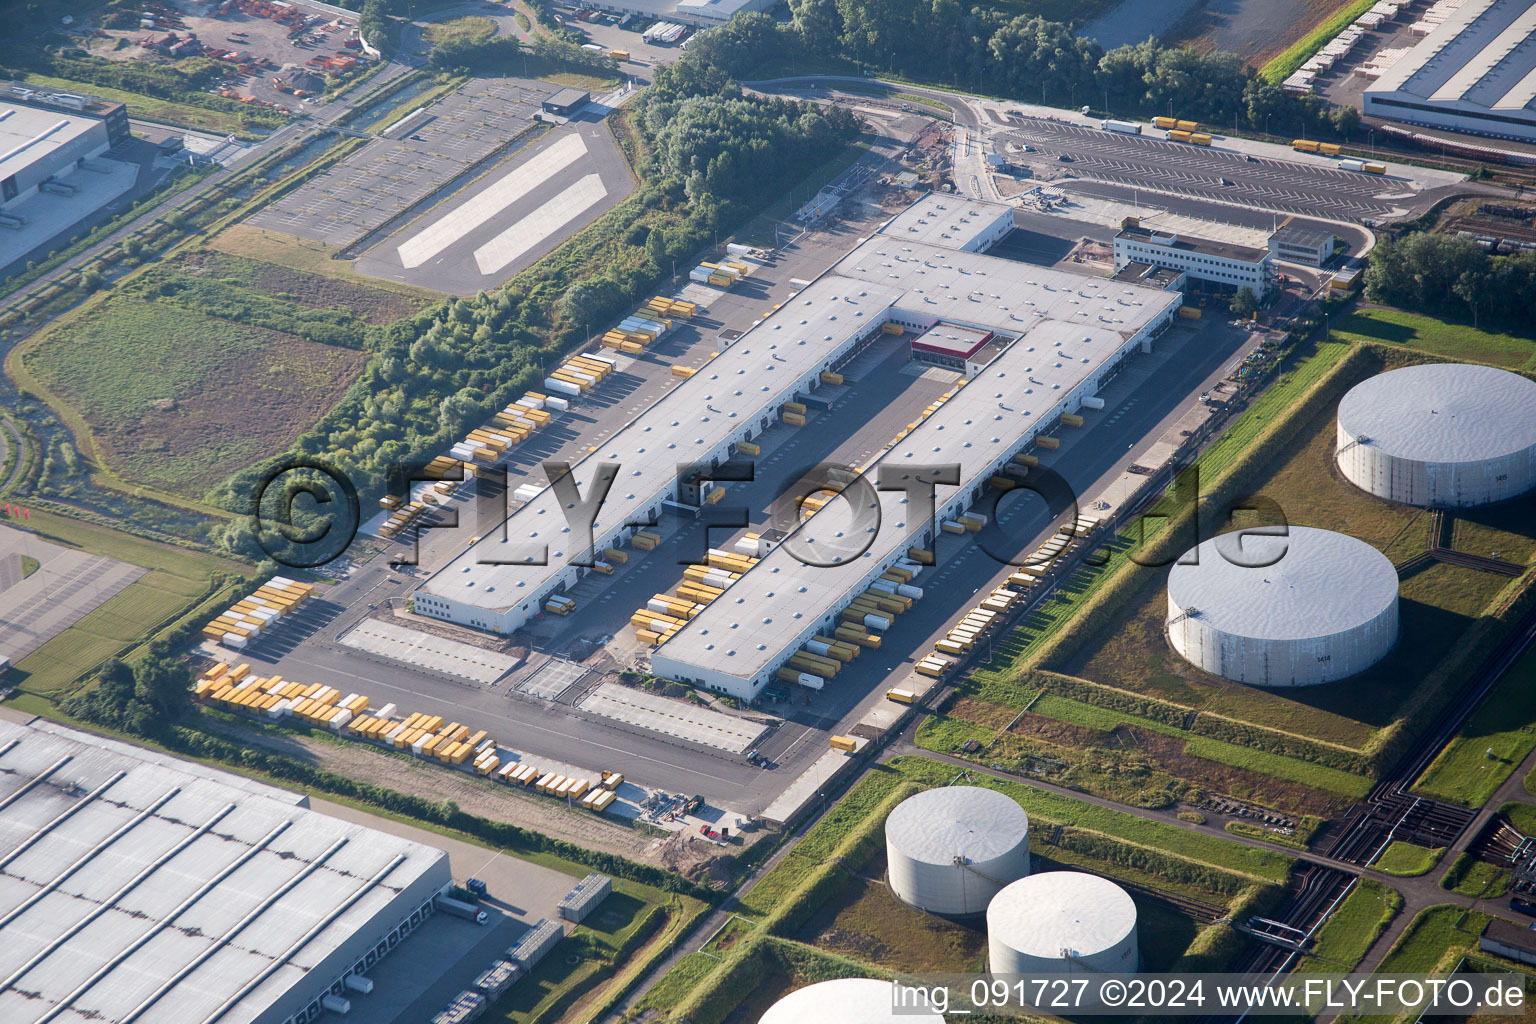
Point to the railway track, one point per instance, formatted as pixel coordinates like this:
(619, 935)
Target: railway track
(1390, 811)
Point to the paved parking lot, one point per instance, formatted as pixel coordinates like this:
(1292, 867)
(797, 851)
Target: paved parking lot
(390, 175)
(673, 718)
(1262, 182)
(515, 213)
(552, 679)
(429, 653)
(66, 586)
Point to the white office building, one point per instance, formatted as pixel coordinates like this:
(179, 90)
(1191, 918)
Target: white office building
(1223, 264)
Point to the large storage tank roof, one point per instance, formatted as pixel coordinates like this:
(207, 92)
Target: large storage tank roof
(937, 824)
(1322, 584)
(844, 1001)
(1044, 914)
(1443, 412)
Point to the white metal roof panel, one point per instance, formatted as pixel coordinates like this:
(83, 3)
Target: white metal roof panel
(937, 825)
(1443, 412)
(90, 922)
(1319, 583)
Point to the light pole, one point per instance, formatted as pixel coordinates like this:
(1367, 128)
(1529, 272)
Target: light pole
(1373, 143)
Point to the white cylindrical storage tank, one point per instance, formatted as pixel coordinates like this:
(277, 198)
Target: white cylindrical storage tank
(1446, 435)
(1305, 608)
(844, 1001)
(1062, 922)
(950, 850)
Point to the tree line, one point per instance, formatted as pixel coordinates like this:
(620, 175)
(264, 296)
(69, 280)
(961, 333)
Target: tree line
(1024, 57)
(1447, 275)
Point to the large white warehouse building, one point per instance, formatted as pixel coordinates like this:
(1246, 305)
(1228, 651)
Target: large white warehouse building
(1062, 922)
(846, 1001)
(950, 850)
(47, 135)
(1059, 335)
(138, 888)
(1296, 610)
(1444, 435)
(1475, 72)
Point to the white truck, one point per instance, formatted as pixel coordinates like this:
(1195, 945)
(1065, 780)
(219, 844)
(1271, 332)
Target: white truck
(1123, 127)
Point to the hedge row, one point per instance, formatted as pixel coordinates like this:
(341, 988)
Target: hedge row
(1153, 862)
(1206, 723)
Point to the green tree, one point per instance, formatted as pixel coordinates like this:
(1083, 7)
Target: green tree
(1245, 303)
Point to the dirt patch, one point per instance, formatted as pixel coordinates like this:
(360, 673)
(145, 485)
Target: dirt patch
(473, 795)
(373, 305)
(865, 921)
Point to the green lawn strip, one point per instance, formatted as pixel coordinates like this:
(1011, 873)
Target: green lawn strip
(1298, 53)
(1051, 808)
(1476, 878)
(1406, 860)
(60, 662)
(150, 108)
(1353, 926)
(1521, 815)
(1447, 340)
(96, 540)
(1252, 831)
(1432, 938)
(1288, 768)
(685, 976)
(1505, 723)
(29, 565)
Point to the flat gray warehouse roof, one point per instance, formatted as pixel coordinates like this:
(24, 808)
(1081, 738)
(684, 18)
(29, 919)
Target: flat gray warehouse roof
(30, 134)
(137, 887)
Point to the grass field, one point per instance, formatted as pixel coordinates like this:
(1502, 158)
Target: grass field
(1280, 67)
(865, 921)
(1520, 814)
(1505, 723)
(305, 254)
(29, 565)
(466, 29)
(152, 108)
(1353, 926)
(1449, 340)
(1435, 606)
(313, 291)
(1288, 768)
(179, 400)
(1438, 935)
(175, 582)
(1405, 860)
(1476, 878)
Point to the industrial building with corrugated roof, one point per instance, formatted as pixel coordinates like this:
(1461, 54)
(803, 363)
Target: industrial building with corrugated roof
(139, 889)
(1475, 72)
(1058, 337)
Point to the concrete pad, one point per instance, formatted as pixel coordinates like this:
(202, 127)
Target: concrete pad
(511, 187)
(66, 587)
(533, 229)
(673, 718)
(48, 214)
(429, 652)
